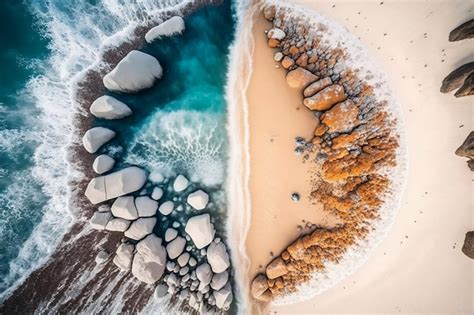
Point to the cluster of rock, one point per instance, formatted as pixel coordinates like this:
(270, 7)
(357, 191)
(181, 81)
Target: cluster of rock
(354, 139)
(188, 261)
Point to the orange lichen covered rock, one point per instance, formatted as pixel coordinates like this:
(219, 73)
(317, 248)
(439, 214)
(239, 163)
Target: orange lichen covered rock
(317, 86)
(276, 268)
(287, 62)
(326, 98)
(300, 78)
(302, 61)
(341, 117)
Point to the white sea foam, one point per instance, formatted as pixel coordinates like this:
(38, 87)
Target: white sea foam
(180, 141)
(359, 58)
(79, 35)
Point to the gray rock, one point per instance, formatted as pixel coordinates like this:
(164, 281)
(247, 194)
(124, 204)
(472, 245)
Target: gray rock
(157, 193)
(183, 259)
(467, 147)
(99, 220)
(140, 228)
(150, 260)
(123, 256)
(96, 137)
(175, 247)
(172, 26)
(146, 207)
(204, 274)
(102, 257)
(467, 88)
(124, 207)
(223, 297)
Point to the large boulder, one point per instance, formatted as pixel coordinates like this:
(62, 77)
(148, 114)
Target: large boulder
(198, 199)
(146, 207)
(180, 183)
(176, 247)
(223, 297)
(276, 268)
(201, 230)
(116, 184)
(150, 260)
(300, 78)
(117, 225)
(172, 26)
(218, 257)
(326, 98)
(99, 220)
(96, 137)
(123, 256)
(468, 247)
(135, 72)
(140, 228)
(109, 107)
(463, 31)
(124, 207)
(103, 163)
(457, 77)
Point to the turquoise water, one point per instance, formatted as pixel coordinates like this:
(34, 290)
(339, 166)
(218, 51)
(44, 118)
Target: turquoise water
(178, 126)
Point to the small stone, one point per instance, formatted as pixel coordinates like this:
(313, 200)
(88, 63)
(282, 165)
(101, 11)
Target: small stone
(161, 290)
(218, 257)
(124, 207)
(170, 234)
(219, 280)
(317, 86)
(463, 31)
(183, 259)
(123, 256)
(102, 164)
(157, 193)
(180, 183)
(259, 286)
(117, 225)
(287, 62)
(278, 56)
(102, 257)
(295, 197)
(276, 33)
(166, 207)
(156, 177)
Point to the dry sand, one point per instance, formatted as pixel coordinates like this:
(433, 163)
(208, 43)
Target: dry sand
(419, 268)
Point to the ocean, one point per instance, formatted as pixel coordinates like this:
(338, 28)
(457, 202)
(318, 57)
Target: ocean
(177, 127)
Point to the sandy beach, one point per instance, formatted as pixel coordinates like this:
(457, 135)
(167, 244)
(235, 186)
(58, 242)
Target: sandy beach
(419, 268)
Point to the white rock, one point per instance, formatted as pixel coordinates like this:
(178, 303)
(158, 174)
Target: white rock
(96, 137)
(201, 230)
(135, 72)
(176, 224)
(192, 261)
(172, 26)
(118, 225)
(183, 271)
(219, 280)
(198, 199)
(146, 207)
(203, 252)
(123, 256)
(276, 33)
(180, 183)
(99, 220)
(109, 107)
(116, 184)
(170, 234)
(278, 56)
(183, 259)
(173, 279)
(157, 193)
(124, 207)
(176, 247)
(217, 257)
(103, 163)
(102, 257)
(156, 177)
(204, 274)
(150, 260)
(140, 228)
(161, 291)
(223, 297)
(166, 207)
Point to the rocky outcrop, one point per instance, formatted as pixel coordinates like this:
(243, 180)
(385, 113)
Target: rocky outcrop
(218, 257)
(123, 256)
(201, 230)
(180, 183)
(116, 184)
(326, 98)
(287, 62)
(463, 31)
(96, 137)
(150, 260)
(135, 72)
(467, 88)
(456, 78)
(468, 246)
(109, 107)
(146, 207)
(170, 27)
(198, 199)
(102, 164)
(157, 193)
(140, 228)
(300, 78)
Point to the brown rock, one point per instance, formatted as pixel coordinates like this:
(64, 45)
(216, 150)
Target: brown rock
(456, 78)
(467, 147)
(468, 247)
(276, 268)
(463, 31)
(287, 62)
(341, 117)
(296, 249)
(285, 255)
(265, 296)
(300, 78)
(313, 59)
(470, 164)
(317, 86)
(326, 98)
(269, 12)
(259, 285)
(302, 61)
(271, 282)
(273, 43)
(320, 130)
(467, 88)
(294, 50)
